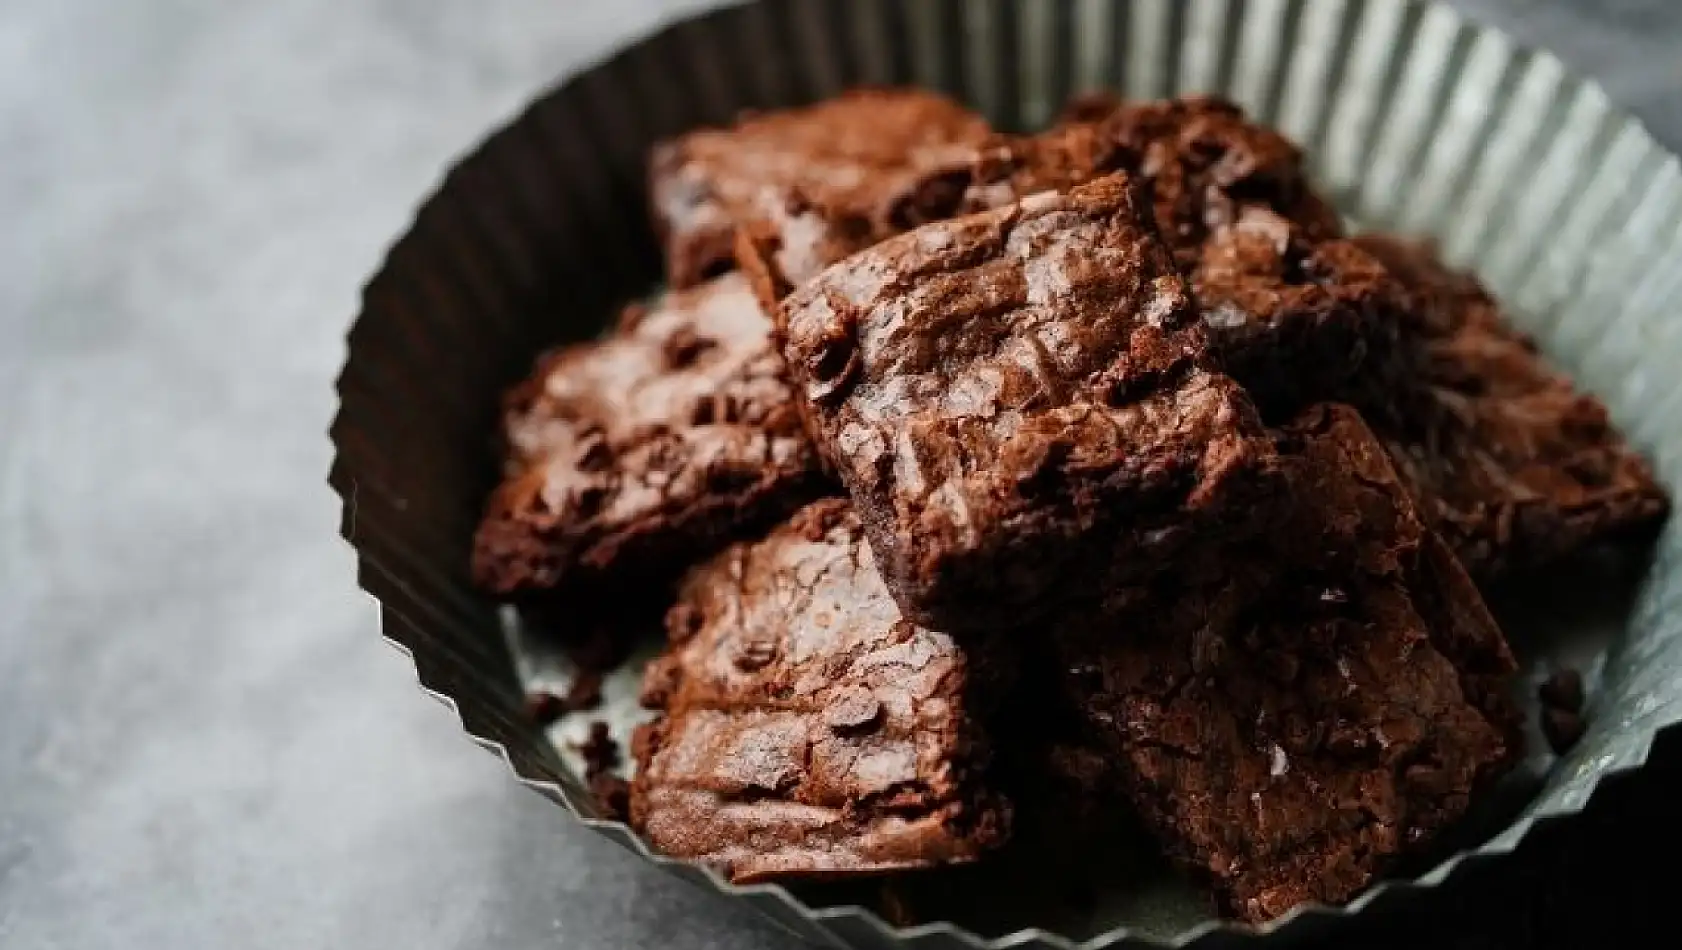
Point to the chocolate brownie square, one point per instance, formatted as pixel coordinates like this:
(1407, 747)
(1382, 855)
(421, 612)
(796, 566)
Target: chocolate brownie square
(1204, 161)
(631, 455)
(1017, 402)
(1295, 314)
(1299, 321)
(1514, 467)
(807, 729)
(804, 187)
(1292, 713)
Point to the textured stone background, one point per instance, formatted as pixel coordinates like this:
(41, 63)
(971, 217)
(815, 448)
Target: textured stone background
(203, 742)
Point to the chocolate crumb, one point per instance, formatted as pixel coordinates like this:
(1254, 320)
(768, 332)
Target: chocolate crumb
(1562, 727)
(601, 757)
(544, 707)
(612, 795)
(1563, 690)
(600, 752)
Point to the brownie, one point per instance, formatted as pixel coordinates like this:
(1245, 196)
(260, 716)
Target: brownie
(1016, 402)
(804, 187)
(1294, 712)
(631, 455)
(1204, 161)
(1514, 467)
(1295, 313)
(1299, 321)
(808, 730)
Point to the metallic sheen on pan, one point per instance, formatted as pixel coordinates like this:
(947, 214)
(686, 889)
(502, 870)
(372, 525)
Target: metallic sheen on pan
(1415, 121)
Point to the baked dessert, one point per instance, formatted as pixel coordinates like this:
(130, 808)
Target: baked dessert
(806, 187)
(807, 729)
(1295, 313)
(1299, 321)
(629, 456)
(1293, 715)
(1016, 401)
(1514, 467)
(1042, 369)
(1205, 162)
(1306, 325)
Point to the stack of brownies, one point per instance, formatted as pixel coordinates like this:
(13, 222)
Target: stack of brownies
(927, 407)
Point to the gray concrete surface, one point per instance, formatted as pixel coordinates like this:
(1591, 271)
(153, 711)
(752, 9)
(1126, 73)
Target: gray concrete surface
(203, 743)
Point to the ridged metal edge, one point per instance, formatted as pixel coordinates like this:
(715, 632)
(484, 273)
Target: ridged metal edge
(848, 925)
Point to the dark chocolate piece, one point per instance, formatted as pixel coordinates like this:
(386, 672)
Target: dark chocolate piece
(808, 730)
(1292, 713)
(1017, 403)
(805, 187)
(632, 455)
(1514, 467)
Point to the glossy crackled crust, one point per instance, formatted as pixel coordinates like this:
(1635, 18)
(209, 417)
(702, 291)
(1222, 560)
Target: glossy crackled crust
(1297, 317)
(1204, 162)
(629, 456)
(1294, 313)
(1292, 716)
(807, 729)
(802, 188)
(1016, 401)
(1514, 466)
(1299, 321)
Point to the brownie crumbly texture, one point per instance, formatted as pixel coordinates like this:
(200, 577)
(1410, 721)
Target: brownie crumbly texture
(1296, 324)
(1296, 314)
(809, 730)
(1293, 715)
(1514, 467)
(805, 187)
(1299, 321)
(1203, 160)
(632, 455)
(1016, 402)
